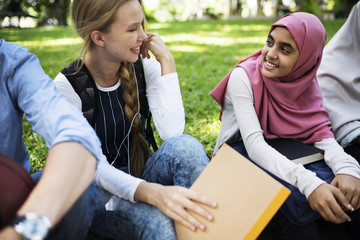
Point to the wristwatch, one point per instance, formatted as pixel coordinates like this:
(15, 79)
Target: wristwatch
(31, 226)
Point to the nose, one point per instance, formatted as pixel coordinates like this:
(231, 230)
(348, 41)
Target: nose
(271, 53)
(142, 35)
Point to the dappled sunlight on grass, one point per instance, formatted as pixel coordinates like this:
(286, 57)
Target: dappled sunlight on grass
(52, 42)
(181, 48)
(212, 40)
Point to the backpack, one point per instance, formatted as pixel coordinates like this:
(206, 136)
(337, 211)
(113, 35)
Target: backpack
(84, 86)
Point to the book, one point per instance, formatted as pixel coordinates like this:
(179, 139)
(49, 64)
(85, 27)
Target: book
(247, 198)
(298, 152)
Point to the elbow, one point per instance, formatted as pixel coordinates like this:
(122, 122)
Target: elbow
(175, 130)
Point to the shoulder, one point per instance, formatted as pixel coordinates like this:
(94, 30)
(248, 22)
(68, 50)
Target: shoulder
(238, 80)
(14, 55)
(14, 49)
(62, 82)
(60, 78)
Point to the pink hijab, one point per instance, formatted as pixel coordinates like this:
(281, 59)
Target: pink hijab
(290, 106)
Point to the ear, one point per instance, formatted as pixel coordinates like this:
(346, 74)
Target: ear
(97, 38)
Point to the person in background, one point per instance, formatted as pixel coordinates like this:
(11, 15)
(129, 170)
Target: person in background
(274, 94)
(140, 192)
(57, 208)
(339, 81)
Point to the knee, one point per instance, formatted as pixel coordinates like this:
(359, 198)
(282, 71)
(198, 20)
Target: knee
(188, 145)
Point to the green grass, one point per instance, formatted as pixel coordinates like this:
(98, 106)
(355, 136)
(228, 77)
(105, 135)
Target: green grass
(204, 52)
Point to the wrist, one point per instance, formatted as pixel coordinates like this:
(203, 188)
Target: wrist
(31, 226)
(146, 192)
(167, 64)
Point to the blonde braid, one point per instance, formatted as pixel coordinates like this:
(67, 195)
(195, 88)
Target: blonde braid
(139, 149)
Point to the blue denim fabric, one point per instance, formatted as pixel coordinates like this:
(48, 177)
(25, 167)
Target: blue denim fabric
(76, 223)
(179, 161)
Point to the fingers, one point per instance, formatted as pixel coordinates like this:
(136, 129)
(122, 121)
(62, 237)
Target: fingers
(144, 49)
(155, 44)
(328, 200)
(350, 187)
(336, 206)
(179, 214)
(183, 205)
(146, 45)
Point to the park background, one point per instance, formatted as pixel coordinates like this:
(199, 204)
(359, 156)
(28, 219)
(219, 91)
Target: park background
(206, 38)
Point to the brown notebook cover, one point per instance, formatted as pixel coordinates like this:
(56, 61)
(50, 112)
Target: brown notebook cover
(247, 198)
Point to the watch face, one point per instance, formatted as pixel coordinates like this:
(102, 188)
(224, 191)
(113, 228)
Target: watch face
(34, 227)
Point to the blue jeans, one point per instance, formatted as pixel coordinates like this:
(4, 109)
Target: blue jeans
(179, 161)
(76, 223)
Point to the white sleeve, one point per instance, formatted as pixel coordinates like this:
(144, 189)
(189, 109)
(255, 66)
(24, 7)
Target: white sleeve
(113, 180)
(239, 93)
(338, 160)
(165, 101)
(63, 85)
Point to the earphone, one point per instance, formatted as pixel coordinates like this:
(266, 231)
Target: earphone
(130, 127)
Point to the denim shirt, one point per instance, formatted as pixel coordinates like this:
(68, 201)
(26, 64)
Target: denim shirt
(25, 88)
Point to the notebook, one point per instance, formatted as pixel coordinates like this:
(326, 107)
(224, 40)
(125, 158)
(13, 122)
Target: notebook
(247, 198)
(298, 152)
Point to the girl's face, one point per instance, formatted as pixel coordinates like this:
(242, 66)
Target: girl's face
(123, 39)
(280, 53)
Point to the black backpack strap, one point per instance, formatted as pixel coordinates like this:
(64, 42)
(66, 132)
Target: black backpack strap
(144, 109)
(84, 85)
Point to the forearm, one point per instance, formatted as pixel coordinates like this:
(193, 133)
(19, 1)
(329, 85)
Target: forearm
(339, 161)
(165, 100)
(68, 172)
(115, 181)
(147, 192)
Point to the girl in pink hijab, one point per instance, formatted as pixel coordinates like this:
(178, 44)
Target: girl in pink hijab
(274, 94)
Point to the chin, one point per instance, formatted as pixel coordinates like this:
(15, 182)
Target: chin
(133, 59)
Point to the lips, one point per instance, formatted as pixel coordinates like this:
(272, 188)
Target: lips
(270, 64)
(135, 50)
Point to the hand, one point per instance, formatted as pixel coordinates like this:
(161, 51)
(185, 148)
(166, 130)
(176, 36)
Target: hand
(9, 233)
(350, 187)
(328, 201)
(162, 54)
(176, 202)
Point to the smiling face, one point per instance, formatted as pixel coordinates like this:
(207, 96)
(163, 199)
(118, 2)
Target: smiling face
(124, 37)
(280, 53)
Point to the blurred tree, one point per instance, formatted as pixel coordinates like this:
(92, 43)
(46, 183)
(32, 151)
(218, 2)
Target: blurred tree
(260, 7)
(345, 8)
(50, 11)
(47, 11)
(310, 6)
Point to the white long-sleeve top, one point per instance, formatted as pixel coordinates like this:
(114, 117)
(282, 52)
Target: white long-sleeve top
(243, 118)
(165, 103)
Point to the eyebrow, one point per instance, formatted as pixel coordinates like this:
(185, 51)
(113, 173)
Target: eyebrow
(134, 24)
(283, 43)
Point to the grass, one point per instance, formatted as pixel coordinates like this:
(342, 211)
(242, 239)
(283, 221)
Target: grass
(203, 50)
